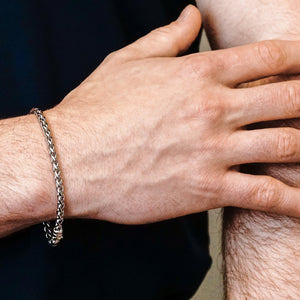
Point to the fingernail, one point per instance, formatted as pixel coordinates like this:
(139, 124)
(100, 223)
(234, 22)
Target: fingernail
(185, 14)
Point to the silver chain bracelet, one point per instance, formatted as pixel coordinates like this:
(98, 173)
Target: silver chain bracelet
(55, 234)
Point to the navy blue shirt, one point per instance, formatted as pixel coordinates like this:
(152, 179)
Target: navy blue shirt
(46, 49)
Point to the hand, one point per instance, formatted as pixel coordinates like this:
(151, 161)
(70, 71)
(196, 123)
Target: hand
(288, 173)
(149, 136)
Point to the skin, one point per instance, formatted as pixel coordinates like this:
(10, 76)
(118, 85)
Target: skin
(261, 250)
(150, 136)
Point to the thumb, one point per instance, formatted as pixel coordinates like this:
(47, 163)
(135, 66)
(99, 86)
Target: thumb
(169, 40)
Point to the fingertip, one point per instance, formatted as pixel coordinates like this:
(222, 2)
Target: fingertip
(188, 26)
(170, 40)
(190, 14)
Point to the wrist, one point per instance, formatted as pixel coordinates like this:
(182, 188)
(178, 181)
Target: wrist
(63, 140)
(82, 161)
(27, 188)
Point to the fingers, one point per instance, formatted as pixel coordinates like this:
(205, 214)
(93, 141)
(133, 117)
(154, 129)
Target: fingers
(268, 102)
(166, 41)
(254, 61)
(277, 145)
(261, 193)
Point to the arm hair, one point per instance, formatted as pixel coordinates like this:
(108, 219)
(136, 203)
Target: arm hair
(27, 188)
(261, 251)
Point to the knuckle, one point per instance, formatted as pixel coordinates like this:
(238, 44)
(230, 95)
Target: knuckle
(292, 96)
(200, 66)
(205, 184)
(267, 195)
(286, 144)
(163, 31)
(121, 55)
(271, 54)
(111, 57)
(163, 35)
(211, 111)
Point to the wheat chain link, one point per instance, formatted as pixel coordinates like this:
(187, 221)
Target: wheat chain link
(53, 234)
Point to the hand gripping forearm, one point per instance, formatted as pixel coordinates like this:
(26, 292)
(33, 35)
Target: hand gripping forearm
(150, 136)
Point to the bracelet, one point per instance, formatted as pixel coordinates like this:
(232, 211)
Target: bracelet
(56, 234)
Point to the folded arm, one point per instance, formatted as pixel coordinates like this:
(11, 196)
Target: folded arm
(261, 250)
(147, 129)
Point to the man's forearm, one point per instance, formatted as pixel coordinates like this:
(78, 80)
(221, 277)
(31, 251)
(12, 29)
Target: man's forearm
(230, 23)
(262, 256)
(261, 251)
(27, 188)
